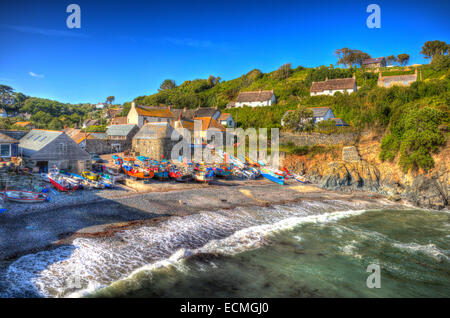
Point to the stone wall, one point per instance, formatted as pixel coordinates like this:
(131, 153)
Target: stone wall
(153, 148)
(311, 139)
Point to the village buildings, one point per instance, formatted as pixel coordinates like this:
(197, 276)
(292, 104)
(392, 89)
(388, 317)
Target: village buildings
(256, 98)
(332, 86)
(45, 149)
(374, 62)
(140, 115)
(321, 114)
(24, 124)
(399, 80)
(9, 147)
(227, 120)
(156, 140)
(120, 136)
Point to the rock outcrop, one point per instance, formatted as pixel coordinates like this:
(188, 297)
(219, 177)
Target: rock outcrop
(426, 190)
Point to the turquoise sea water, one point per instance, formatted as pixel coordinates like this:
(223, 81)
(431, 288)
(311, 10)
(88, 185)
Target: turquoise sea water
(308, 249)
(316, 260)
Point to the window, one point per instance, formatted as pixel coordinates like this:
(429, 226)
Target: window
(62, 148)
(5, 150)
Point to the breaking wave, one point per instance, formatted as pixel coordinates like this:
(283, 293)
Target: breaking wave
(93, 263)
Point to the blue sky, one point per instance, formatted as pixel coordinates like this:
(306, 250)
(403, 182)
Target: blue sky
(127, 48)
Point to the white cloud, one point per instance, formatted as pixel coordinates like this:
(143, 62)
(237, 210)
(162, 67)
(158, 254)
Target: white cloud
(36, 75)
(43, 31)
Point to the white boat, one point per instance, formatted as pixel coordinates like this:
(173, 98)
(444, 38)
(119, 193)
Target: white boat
(25, 196)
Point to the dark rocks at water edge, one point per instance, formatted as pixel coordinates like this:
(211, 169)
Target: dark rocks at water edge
(352, 173)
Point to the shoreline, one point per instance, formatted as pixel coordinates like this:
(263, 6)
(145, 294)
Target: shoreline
(103, 213)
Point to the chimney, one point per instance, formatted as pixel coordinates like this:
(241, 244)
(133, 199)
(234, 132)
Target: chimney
(326, 78)
(184, 109)
(133, 104)
(354, 76)
(168, 107)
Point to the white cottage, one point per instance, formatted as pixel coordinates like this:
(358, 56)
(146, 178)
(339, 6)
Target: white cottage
(330, 87)
(256, 99)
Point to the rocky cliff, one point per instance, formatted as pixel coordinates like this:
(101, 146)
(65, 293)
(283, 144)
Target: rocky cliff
(358, 168)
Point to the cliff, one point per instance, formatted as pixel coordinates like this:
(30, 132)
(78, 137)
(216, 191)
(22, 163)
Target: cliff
(359, 168)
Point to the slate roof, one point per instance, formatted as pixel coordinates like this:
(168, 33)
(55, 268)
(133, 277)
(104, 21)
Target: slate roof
(120, 130)
(340, 122)
(373, 60)
(399, 78)
(7, 139)
(91, 122)
(319, 111)
(254, 96)
(185, 113)
(15, 134)
(37, 139)
(154, 131)
(205, 112)
(333, 84)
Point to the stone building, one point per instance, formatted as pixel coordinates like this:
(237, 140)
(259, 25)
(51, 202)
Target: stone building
(376, 62)
(120, 136)
(399, 80)
(44, 149)
(140, 115)
(154, 140)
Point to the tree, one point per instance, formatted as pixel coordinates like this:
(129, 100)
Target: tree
(434, 48)
(110, 99)
(283, 72)
(6, 90)
(349, 57)
(403, 59)
(300, 119)
(441, 62)
(213, 81)
(167, 84)
(391, 59)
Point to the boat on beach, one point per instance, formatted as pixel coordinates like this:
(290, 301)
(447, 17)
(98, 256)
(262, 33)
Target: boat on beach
(138, 174)
(60, 183)
(25, 196)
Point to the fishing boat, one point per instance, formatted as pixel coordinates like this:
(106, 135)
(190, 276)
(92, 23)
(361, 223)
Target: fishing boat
(222, 171)
(204, 176)
(60, 183)
(269, 175)
(161, 175)
(90, 175)
(25, 196)
(180, 176)
(138, 174)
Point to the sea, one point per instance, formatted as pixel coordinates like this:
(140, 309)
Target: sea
(326, 248)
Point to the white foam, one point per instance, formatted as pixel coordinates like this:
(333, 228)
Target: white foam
(430, 249)
(95, 263)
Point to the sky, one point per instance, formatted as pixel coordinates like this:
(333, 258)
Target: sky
(127, 48)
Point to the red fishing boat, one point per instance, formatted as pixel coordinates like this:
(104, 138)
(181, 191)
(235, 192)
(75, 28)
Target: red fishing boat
(139, 174)
(60, 183)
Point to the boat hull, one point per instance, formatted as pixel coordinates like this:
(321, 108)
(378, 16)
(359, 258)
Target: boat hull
(273, 178)
(25, 196)
(58, 186)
